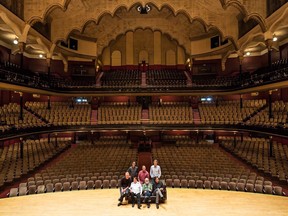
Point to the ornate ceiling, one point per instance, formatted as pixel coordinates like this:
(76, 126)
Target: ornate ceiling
(184, 21)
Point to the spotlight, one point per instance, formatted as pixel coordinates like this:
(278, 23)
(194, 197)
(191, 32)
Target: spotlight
(275, 38)
(15, 41)
(143, 10)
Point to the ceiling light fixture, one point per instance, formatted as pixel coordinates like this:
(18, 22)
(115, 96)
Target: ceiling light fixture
(248, 54)
(40, 55)
(15, 41)
(275, 38)
(143, 10)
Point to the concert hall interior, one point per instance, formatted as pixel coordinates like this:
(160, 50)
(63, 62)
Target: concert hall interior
(195, 91)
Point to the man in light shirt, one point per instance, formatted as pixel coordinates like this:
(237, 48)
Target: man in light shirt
(136, 191)
(155, 171)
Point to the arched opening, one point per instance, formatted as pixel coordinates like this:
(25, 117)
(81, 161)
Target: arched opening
(116, 58)
(143, 56)
(170, 57)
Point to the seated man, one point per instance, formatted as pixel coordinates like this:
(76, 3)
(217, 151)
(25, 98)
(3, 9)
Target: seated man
(136, 191)
(124, 187)
(143, 174)
(147, 191)
(158, 189)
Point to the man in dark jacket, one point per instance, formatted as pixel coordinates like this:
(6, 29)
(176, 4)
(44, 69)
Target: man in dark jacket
(158, 190)
(124, 187)
(133, 170)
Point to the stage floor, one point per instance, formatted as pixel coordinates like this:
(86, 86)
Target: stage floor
(180, 202)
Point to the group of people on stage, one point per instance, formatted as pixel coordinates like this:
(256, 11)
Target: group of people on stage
(138, 184)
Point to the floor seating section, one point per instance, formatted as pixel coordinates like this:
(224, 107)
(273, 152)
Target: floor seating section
(171, 113)
(9, 118)
(61, 113)
(83, 167)
(228, 112)
(121, 78)
(119, 113)
(166, 78)
(35, 153)
(207, 168)
(255, 151)
(279, 116)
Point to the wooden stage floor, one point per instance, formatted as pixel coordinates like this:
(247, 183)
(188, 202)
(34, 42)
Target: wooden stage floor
(180, 202)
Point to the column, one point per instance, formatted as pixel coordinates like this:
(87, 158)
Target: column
(234, 141)
(157, 48)
(21, 46)
(48, 103)
(241, 58)
(270, 104)
(75, 137)
(48, 60)
(21, 148)
(21, 106)
(270, 146)
(56, 140)
(241, 101)
(197, 137)
(269, 43)
(129, 48)
(92, 138)
(180, 58)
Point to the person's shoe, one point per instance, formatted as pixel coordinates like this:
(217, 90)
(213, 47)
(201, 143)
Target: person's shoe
(148, 205)
(120, 203)
(133, 205)
(157, 206)
(139, 206)
(119, 199)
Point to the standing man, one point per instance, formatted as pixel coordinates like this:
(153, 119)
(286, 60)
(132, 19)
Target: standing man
(133, 170)
(136, 191)
(147, 191)
(124, 187)
(155, 171)
(143, 174)
(158, 190)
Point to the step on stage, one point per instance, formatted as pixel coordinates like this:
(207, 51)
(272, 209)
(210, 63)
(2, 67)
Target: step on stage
(180, 202)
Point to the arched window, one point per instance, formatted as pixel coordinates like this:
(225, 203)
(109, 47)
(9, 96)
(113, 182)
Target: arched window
(116, 58)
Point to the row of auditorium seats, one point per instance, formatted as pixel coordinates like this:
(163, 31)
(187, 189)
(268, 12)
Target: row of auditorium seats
(35, 153)
(203, 167)
(171, 113)
(61, 113)
(9, 118)
(119, 114)
(166, 78)
(279, 116)
(98, 166)
(256, 152)
(121, 78)
(228, 112)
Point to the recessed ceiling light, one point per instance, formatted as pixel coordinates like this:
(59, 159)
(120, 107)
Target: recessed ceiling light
(15, 41)
(41, 56)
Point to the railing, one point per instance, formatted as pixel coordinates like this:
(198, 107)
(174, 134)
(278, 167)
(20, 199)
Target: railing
(55, 84)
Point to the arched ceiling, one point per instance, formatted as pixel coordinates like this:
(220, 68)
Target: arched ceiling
(178, 27)
(184, 21)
